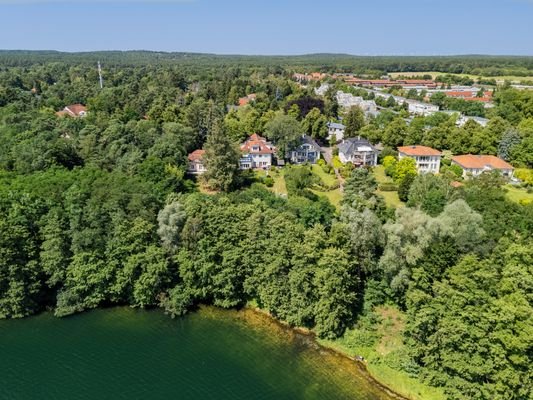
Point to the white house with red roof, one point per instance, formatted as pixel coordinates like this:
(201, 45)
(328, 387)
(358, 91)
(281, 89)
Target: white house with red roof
(426, 158)
(73, 110)
(475, 165)
(196, 163)
(257, 152)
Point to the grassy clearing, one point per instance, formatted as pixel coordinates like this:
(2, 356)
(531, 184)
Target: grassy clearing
(518, 195)
(391, 198)
(383, 348)
(328, 179)
(434, 74)
(379, 174)
(279, 186)
(334, 196)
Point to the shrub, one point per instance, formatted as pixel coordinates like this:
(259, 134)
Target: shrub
(268, 181)
(388, 187)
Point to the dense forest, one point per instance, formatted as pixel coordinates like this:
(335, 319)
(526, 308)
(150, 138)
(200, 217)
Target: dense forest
(99, 210)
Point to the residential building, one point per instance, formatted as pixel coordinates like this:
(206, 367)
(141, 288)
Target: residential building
(426, 158)
(475, 165)
(420, 108)
(336, 130)
(257, 152)
(196, 165)
(247, 99)
(358, 151)
(463, 119)
(322, 90)
(73, 110)
(404, 83)
(347, 100)
(307, 151)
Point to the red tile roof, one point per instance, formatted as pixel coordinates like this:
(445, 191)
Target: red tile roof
(246, 99)
(470, 161)
(456, 184)
(73, 110)
(418, 151)
(196, 155)
(259, 143)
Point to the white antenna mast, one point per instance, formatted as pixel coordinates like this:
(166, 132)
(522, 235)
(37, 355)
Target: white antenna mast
(100, 75)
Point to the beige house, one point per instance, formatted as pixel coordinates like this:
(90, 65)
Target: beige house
(427, 159)
(475, 165)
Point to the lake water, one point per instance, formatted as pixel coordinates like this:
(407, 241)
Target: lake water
(123, 353)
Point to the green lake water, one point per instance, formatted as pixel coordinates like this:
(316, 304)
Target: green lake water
(123, 353)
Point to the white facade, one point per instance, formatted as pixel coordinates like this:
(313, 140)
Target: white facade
(427, 159)
(321, 91)
(419, 108)
(348, 100)
(256, 153)
(336, 130)
(475, 165)
(196, 167)
(358, 151)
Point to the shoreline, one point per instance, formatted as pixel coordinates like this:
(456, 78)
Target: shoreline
(309, 334)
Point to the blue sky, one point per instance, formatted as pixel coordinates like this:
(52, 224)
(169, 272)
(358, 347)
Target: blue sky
(372, 27)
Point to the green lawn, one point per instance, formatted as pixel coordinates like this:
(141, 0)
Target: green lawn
(383, 351)
(391, 198)
(379, 174)
(334, 196)
(518, 195)
(328, 179)
(279, 181)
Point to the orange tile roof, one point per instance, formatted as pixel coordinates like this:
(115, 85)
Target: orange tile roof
(470, 161)
(456, 184)
(418, 151)
(73, 110)
(257, 141)
(196, 155)
(246, 99)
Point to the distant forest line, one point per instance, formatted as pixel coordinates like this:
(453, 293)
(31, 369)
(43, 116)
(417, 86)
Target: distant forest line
(485, 65)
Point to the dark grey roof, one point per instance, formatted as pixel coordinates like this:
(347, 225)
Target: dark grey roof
(309, 140)
(349, 146)
(335, 125)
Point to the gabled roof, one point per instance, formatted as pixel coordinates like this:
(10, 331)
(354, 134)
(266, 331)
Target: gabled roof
(351, 145)
(196, 155)
(74, 110)
(304, 139)
(335, 125)
(470, 161)
(256, 144)
(247, 99)
(418, 151)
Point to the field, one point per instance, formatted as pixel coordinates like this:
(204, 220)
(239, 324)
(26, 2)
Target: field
(512, 78)
(391, 198)
(518, 195)
(334, 196)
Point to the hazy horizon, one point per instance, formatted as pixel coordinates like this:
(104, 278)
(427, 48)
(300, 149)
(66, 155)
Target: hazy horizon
(239, 27)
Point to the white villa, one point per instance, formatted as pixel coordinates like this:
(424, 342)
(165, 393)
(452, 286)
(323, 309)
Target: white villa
(308, 151)
(427, 159)
(336, 130)
(256, 153)
(420, 108)
(196, 165)
(358, 151)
